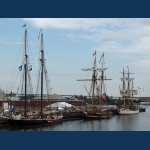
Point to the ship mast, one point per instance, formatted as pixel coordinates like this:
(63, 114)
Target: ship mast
(42, 66)
(123, 92)
(101, 81)
(124, 86)
(25, 68)
(128, 89)
(93, 82)
(126, 93)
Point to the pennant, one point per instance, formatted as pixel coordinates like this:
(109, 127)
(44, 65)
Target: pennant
(24, 25)
(39, 33)
(94, 53)
(101, 57)
(20, 68)
(30, 69)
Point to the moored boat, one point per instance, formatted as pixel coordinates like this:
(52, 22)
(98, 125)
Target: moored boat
(30, 120)
(127, 95)
(142, 108)
(96, 112)
(127, 111)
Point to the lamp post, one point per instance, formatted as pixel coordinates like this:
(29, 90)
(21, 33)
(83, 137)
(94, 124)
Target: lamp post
(50, 90)
(139, 90)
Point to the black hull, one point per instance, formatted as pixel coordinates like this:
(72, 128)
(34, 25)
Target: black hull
(3, 123)
(142, 109)
(73, 115)
(32, 122)
(114, 112)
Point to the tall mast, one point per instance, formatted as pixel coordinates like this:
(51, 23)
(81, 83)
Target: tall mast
(42, 66)
(128, 84)
(101, 81)
(25, 68)
(94, 79)
(129, 91)
(124, 86)
(132, 91)
(123, 80)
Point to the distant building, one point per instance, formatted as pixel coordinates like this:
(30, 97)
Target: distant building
(2, 94)
(144, 99)
(18, 102)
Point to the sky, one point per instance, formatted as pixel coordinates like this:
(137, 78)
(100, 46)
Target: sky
(69, 44)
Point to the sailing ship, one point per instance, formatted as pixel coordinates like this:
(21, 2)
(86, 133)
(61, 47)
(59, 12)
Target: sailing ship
(127, 95)
(96, 112)
(24, 119)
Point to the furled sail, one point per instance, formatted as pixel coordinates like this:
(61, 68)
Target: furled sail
(123, 79)
(92, 69)
(129, 79)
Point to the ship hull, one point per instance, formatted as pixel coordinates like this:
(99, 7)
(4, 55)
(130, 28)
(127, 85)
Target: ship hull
(100, 115)
(127, 112)
(33, 122)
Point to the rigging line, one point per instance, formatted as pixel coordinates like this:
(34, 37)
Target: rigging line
(45, 50)
(14, 67)
(21, 79)
(48, 86)
(33, 54)
(39, 33)
(15, 81)
(38, 78)
(29, 83)
(34, 42)
(32, 66)
(46, 80)
(22, 82)
(13, 76)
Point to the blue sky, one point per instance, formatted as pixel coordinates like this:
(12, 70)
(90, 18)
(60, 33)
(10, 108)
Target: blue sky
(69, 44)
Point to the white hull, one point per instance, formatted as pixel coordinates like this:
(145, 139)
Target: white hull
(127, 112)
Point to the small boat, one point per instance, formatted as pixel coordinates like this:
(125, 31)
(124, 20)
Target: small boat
(127, 111)
(142, 108)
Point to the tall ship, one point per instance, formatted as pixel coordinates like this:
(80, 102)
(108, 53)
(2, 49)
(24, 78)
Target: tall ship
(32, 118)
(97, 84)
(128, 93)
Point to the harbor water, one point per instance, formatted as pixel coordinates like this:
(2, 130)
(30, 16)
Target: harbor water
(136, 122)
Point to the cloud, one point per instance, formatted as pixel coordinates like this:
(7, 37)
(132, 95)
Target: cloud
(4, 41)
(86, 23)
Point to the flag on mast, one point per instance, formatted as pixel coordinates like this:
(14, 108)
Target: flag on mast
(104, 96)
(20, 68)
